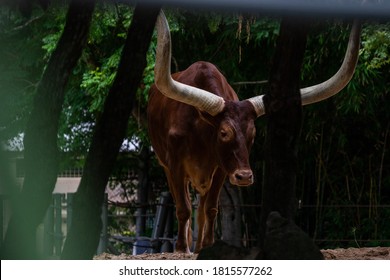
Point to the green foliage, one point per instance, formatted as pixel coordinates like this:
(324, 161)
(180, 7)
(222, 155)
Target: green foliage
(97, 70)
(53, 29)
(345, 140)
(376, 46)
(21, 64)
(103, 54)
(148, 77)
(97, 82)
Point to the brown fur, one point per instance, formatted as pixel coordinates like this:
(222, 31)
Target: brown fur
(199, 150)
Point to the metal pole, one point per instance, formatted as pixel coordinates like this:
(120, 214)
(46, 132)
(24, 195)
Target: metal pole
(159, 223)
(167, 246)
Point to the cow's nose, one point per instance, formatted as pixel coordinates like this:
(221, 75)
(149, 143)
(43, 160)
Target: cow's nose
(242, 177)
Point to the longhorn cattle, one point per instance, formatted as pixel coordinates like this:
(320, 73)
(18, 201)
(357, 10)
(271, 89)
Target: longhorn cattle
(201, 132)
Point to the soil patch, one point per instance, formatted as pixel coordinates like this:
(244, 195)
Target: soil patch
(369, 253)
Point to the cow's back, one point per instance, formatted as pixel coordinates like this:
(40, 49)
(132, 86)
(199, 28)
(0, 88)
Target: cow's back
(169, 118)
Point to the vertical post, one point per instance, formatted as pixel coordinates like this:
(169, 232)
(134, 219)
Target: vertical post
(160, 221)
(1, 219)
(104, 234)
(69, 211)
(281, 238)
(58, 235)
(284, 116)
(142, 191)
(48, 231)
(167, 245)
(230, 215)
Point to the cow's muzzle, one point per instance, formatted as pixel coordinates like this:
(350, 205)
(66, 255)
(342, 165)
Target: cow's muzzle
(241, 177)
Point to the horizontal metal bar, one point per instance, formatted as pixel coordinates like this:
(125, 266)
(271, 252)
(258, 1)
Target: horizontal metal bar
(310, 8)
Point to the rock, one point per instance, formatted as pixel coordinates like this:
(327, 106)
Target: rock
(284, 240)
(220, 250)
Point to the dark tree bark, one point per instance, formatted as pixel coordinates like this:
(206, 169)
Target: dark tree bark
(109, 133)
(284, 117)
(142, 190)
(229, 202)
(40, 142)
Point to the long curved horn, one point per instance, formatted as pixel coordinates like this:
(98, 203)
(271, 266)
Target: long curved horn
(333, 85)
(336, 83)
(203, 100)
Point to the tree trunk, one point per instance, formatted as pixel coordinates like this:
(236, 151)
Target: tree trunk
(284, 117)
(229, 201)
(109, 133)
(41, 151)
(142, 191)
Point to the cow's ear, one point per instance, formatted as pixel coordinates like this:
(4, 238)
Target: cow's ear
(250, 108)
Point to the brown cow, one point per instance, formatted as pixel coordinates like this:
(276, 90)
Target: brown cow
(202, 133)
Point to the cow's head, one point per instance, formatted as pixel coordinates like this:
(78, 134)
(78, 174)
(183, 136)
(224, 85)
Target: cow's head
(234, 136)
(234, 120)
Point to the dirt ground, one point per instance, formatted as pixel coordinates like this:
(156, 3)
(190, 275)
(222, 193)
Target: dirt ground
(372, 253)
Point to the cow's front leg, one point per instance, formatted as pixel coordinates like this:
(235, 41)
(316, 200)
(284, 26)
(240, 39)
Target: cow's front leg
(183, 214)
(180, 193)
(201, 219)
(211, 207)
(183, 229)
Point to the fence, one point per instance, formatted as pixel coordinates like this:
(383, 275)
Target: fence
(58, 221)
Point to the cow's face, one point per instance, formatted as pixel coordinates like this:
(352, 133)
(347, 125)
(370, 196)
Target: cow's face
(235, 135)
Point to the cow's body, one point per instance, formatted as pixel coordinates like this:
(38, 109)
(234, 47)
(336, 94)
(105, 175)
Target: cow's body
(188, 145)
(202, 133)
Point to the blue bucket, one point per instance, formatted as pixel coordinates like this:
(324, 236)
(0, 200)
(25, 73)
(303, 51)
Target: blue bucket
(142, 246)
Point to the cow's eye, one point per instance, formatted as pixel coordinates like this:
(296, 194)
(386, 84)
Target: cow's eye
(226, 134)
